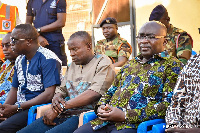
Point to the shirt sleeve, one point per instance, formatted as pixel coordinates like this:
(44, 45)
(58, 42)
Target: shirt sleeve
(29, 8)
(15, 82)
(157, 109)
(51, 72)
(184, 49)
(125, 50)
(61, 6)
(108, 95)
(103, 77)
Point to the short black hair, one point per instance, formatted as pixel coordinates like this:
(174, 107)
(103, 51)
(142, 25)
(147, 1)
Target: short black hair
(82, 34)
(28, 31)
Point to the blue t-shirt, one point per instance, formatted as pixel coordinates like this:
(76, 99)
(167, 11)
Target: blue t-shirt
(31, 77)
(45, 13)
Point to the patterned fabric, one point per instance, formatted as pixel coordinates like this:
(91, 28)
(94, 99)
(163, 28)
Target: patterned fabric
(114, 49)
(6, 75)
(97, 75)
(142, 90)
(184, 110)
(31, 77)
(183, 50)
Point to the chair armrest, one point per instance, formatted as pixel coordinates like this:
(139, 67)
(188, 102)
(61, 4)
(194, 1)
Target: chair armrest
(88, 117)
(2, 102)
(32, 113)
(142, 128)
(159, 128)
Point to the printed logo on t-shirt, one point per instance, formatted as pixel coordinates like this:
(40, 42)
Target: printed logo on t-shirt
(6, 25)
(53, 4)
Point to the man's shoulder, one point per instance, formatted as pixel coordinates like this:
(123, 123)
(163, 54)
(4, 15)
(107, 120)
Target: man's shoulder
(101, 42)
(48, 54)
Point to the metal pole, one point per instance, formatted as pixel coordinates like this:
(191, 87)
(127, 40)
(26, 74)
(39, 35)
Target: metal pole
(133, 27)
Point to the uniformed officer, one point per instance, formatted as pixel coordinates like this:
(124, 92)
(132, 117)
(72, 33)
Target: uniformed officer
(179, 41)
(115, 47)
(49, 17)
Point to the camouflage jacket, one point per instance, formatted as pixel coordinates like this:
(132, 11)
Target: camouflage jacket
(114, 49)
(183, 49)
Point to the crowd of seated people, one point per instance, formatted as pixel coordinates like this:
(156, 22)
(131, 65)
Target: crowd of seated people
(154, 84)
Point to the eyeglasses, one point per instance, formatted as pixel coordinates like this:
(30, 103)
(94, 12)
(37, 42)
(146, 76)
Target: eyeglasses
(14, 40)
(7, 45)
(150, 38)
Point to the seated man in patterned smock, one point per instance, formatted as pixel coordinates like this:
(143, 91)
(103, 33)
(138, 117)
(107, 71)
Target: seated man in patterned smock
(142, 89)
(88, 77)
(115, 47)
(7, 68)
(37, 72)
(183, 114)
(179, 41)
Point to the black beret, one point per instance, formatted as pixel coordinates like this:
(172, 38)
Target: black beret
(108, 21)
(157, 13)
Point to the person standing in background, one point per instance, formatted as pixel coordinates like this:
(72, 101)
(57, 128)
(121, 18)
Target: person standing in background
(48, 17)
(179, 41)
(9, 18)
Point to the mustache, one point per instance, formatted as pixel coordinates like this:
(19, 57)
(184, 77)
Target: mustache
(146, 45)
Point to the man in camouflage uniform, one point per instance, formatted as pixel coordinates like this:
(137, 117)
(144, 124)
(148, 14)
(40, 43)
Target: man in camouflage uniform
(115, 47)
(179, 41)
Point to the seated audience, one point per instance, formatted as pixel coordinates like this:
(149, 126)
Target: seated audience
(115, 47)
(87, 78)
(179, 41)
(36, 75)
(141, 90)
(7, 68)
(183, 114)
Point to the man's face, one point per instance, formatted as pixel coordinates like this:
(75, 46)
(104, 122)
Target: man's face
(109, 31)
(165, 20)
(18, 42)
(78, 50)
(6, 46)
(151, 40)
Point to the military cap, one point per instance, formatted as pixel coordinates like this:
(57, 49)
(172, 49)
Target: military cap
(108, 21)
(157, 13)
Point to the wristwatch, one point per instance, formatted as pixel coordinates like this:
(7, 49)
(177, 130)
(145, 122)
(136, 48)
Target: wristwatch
(39, 30)
(19, 109)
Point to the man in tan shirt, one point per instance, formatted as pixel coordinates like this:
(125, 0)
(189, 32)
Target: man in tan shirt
(87, 78)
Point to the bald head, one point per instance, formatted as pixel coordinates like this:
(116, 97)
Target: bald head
(151, 39)
(154, 27)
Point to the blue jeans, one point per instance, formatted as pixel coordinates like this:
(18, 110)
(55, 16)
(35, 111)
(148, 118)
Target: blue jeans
(63, 125)
(110, 128)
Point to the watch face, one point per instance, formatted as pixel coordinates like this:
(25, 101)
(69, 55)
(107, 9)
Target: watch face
(38, 30)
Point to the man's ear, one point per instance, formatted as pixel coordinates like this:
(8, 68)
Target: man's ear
(29, 42)
(165, 42)
(89, 45)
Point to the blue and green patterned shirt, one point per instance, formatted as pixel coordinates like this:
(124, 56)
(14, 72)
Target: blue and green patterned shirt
(142, 90)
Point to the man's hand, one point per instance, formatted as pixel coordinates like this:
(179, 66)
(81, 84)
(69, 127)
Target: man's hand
(49, 116)
(42, 41)
(7, 110)
(109, 113)
(57, 99)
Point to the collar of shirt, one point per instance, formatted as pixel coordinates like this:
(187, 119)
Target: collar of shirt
(154, 58)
